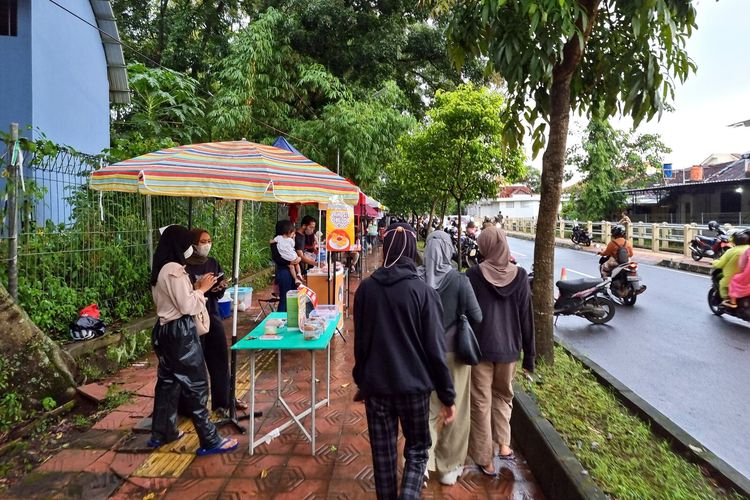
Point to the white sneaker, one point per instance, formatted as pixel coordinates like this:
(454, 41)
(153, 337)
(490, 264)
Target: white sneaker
(450, 478)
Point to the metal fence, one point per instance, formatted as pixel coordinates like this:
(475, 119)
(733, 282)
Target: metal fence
(658, 237)
(733, 218)
(76, 246)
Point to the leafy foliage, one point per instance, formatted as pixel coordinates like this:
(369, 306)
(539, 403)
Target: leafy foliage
(610, 161)
(457, 152)
(165, 111)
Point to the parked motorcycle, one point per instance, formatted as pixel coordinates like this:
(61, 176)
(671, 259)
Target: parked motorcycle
(586, 298)
(742, 311)
(707, 246)
(625, 284)
(580, 236)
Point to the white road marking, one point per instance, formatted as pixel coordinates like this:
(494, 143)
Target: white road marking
(580, 273)
(686, 273)
(518, 253)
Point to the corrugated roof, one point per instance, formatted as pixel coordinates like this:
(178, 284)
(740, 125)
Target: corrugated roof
(119, 92)
(715, 174)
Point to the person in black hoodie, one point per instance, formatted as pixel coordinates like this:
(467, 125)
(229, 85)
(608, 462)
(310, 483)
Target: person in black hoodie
(399, 359)
(504, 295)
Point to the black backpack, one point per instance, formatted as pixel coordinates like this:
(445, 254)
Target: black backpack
(622, 254)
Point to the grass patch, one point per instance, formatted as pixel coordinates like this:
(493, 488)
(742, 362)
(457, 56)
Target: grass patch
(116, 397)
(621, 454)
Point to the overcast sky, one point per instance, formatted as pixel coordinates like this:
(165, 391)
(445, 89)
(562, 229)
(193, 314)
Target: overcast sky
(715, 96)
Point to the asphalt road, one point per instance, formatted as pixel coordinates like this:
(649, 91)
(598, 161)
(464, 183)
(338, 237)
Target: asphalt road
(671, 350)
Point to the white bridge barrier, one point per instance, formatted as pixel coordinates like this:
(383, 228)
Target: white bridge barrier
(656, 237)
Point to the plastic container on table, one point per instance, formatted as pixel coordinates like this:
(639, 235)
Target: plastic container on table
(244, 297)
(292, 310)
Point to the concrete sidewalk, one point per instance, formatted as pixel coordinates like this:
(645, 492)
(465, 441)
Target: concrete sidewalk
(111, 460)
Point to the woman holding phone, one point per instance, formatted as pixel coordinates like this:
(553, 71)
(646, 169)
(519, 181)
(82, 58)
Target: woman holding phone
(215, 341)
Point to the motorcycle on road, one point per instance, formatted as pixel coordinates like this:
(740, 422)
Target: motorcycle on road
(625, 284)
(586, 298)
(707, 246)
(580, 236)
(742, 311)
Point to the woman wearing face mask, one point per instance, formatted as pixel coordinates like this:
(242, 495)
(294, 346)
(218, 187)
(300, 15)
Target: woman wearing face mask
(182, 368)
(215, 341)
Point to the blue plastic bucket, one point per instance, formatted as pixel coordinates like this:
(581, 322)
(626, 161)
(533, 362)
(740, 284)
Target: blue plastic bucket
(225, 308)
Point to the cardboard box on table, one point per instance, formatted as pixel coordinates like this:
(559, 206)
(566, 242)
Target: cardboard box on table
(318, 281)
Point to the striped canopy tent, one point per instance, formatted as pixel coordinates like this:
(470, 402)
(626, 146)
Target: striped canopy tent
(238, 170)
(235, 170)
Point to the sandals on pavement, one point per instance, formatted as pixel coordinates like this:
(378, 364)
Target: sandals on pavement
(156, 443)
(486, 472)
(225, 446)
(509, 456)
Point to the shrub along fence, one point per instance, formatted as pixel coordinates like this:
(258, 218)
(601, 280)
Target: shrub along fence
(662, 237)
(76, 246)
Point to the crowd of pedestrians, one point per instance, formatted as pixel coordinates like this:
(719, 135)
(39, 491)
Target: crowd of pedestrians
(406, 369)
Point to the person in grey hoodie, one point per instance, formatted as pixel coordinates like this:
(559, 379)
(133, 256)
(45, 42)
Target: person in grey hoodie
(399, 359)
(450, 444)
(504, 296)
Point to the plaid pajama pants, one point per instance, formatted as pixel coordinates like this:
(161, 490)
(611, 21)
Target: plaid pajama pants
(383, 417)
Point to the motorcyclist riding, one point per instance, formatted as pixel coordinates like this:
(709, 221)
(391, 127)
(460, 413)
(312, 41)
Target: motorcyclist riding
(619, 249)
(728, 263)
(471, 230)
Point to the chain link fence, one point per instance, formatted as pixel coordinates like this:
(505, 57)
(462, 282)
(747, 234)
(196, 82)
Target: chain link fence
(77, 246)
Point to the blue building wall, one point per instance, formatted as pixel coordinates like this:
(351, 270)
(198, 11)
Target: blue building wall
(69, 76)
(15, 76)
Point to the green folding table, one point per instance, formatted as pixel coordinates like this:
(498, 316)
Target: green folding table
(290, 341)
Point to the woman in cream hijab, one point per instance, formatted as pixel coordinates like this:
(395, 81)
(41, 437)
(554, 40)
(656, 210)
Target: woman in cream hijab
(503, 292)
(449, 446)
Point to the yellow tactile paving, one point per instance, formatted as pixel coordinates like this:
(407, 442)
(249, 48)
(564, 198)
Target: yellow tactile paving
(172, 459)
(167, 464)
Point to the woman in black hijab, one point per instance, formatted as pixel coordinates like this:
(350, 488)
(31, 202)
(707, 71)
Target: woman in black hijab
(399, 355)
(182, 370)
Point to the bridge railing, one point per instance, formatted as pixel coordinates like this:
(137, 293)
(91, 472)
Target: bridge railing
(661, 237)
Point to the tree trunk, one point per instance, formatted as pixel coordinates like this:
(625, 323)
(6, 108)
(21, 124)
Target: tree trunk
(553, 164)
(432, 215)
(35, 364)
(442, 213)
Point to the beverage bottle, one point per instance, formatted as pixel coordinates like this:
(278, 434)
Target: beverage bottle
(292, 310)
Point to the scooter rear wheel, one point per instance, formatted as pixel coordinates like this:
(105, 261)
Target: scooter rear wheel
(608, 307)
(696, 256)
(714, 302)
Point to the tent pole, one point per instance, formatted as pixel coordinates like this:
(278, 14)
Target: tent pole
(235, 300)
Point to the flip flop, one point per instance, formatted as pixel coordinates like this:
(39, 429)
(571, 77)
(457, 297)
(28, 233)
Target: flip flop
(510, 456)
(486, 472)
(220, 448)
(156, 443)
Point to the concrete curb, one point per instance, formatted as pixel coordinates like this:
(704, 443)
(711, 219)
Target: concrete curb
(556, 469)
(680, 440)
(684, 266)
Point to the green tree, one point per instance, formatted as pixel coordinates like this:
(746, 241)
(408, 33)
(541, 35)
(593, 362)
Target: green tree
(561, 55)
(611, 160)
(165, 110)
(459, 151)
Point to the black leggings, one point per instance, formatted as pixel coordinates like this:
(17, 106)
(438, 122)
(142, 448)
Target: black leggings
(217, 361)
(181, 373)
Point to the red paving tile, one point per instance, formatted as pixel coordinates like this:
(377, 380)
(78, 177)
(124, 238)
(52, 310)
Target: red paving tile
(117, 420)
(283, 467)
(71, 461)
(96, 391)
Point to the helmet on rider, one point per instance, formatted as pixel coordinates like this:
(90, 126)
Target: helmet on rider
(741, 237)
(712, 225)
(618, 231)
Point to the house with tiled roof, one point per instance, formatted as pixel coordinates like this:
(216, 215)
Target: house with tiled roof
(716, 189)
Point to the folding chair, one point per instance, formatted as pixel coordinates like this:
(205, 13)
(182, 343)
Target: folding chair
(269, 304)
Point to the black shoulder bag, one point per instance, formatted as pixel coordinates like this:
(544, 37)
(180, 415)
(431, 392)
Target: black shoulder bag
(467, 347)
